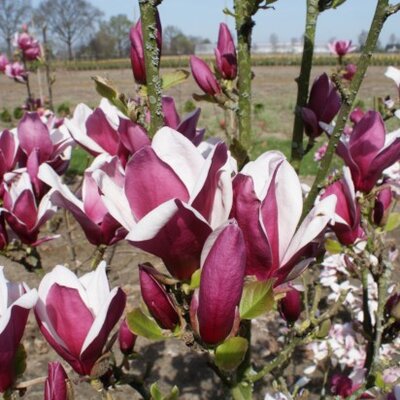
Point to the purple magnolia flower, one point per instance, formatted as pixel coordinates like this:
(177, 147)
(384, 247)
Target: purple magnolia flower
(3, 62)
(214, 307)
(76, 315)
(382, 206)
(267, 204)
(187, 125)
(290, 306)
(16, 300)
(106, 130)
(9, 152)
(29, 46)
(171, 191)
(322, 106)
(90, 212)
(348, 214)
(157, 300)
(55, 387)
(16, 71)
(126, 338)
(137, 52)
(21, 211)
(349, 71)
(341, 47)
(204, 77)
(225, 53)
(368, 150)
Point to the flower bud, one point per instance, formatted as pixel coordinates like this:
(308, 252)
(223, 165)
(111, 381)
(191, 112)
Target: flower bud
(290, 306)
(225, 53)
(204, 76)
(341, 47)
(157, 299)
(349, 71)
(382, 206)
(126, 338)
(56, 383)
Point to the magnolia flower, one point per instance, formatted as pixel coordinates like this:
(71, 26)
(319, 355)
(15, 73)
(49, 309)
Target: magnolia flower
(90, 212)
(323, 104)
(394, 73)
(204, 77)
(268, 204)
(29, 46)
(320, 153)
(76, 315)
(187, 125)
(106, 131)
(349, 71)
(16, 71)
(16, 300)
(9, 152)
(341, 47)
(22, 213)
(171, 191)
(55, 386)
(126, 338)
(3, 62)
(382, 206)
(225, 53)
(368, 150)
(214, 307)
(290, 306)
(347, 224)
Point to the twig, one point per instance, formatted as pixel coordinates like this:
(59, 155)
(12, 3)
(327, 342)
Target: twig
(303, 82)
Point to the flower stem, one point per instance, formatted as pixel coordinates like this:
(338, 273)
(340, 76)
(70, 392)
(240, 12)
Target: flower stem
(303, 82)
(382, 11)
(148, 13)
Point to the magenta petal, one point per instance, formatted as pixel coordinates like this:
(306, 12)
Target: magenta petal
(204, 76)
(95, 349)
(99, 129)
(156, 299)
(34, 134)
(56, 386)
(69, 316)
(10, 338)
(245, 210)
(178, 242)
(219, 296)
(25, 209)
(188, 127)
(133, 136)
(93, 205)
(150, 182)
(310, 122)
(204, 200)
(171, 117)
(8, 149)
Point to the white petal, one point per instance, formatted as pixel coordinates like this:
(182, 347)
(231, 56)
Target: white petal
(393, 73)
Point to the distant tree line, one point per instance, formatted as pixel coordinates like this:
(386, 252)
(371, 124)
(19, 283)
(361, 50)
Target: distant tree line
(77, 29)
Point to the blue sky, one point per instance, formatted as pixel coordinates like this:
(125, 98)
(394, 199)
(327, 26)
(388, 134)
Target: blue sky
(201, 18)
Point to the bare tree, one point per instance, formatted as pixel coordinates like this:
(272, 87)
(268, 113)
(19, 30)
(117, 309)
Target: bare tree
(69, 20)
(119, 26)
(12, 14)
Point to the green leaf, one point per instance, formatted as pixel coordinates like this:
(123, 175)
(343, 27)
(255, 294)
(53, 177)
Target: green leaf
(243, 391)
(230, 354)
(257, 299)
(393, 222)
(333, 246)
(141, 324)
(174, 78)
(156, 393)
(104, 88)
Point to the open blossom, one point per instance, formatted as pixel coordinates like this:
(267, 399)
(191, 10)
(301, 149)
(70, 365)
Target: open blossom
(186, 125)
(22, 212)
(347, 225)
(204, 77)
(16, 71)
(268, 204)
(3, 62)
(368, 150)
(29, 46)
(106, 130)
(323, 105)
(16, 300)
(341, 47)
(171, 191)
(214, 307)
(90, 212)
(76, 315)
(225, 53)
